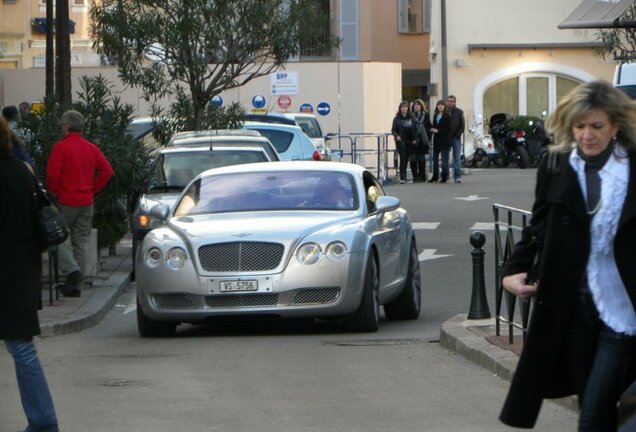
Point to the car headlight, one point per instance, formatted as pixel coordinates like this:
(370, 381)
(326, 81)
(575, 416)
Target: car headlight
(309, 253)
(153, 257)
(176, 258)
(148, 222)
(336, 250)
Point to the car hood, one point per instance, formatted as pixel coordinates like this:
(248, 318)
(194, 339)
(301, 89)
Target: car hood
(283, 227)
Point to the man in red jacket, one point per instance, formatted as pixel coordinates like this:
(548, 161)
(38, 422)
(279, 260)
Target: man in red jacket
(75, 172)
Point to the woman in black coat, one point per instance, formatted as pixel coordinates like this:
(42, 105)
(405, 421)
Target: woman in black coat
(20, 271)
(441, 141)
(422, 125)
(403, 131)
(582, 330)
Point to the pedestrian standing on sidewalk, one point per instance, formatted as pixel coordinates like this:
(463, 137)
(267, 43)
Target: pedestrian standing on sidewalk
(20, 272)
(75, 172)
(404, 133)
(582, 233)
(422, 124)
(457, 126)
(440, 131)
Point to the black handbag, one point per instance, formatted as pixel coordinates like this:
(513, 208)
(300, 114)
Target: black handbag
(52, 226)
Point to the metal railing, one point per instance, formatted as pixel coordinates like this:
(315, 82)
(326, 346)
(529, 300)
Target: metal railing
(510, 220)
(368, 149)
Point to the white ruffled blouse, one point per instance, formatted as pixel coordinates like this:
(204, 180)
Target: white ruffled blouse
(609, 293)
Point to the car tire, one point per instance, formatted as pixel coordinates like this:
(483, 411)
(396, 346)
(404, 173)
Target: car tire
(152, 328)
(367, 318)
(407, 305)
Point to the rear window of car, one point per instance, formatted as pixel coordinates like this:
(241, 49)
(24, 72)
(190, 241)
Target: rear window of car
(270, 191)
(280, 139)
(177, 169)
(310, 126)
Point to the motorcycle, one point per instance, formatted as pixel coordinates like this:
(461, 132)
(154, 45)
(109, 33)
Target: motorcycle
(483, 148)
(510, 142)
(537, 142)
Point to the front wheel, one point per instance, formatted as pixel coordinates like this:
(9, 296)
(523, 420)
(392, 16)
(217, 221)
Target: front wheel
(408, 304)
(152, 328)
(367, 318)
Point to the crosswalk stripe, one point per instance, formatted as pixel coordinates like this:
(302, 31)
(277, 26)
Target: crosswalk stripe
(489, 226)
(425, 225)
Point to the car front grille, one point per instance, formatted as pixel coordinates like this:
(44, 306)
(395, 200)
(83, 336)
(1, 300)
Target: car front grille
(314, 296)
(240, 256)
(241, 300)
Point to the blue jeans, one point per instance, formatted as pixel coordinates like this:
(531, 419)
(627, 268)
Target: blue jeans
(34, 391)
(596, 359)
(456, 143)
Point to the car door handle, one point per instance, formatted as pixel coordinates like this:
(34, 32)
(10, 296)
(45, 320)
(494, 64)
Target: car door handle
(295, 158)
(396, 222)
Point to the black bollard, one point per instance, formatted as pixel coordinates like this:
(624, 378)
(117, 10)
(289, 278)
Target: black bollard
(478, 301)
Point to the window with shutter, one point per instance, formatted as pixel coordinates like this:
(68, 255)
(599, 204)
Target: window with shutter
(414, 16)
(349, 29)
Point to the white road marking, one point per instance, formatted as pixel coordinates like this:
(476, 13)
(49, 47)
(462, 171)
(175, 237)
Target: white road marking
(429, 254)
(131, 307)
(488, 226)
(425, 225)
(471, 198)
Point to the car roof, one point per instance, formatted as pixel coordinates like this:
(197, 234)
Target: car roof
(343, 167)
(276, 126)
(207, 136)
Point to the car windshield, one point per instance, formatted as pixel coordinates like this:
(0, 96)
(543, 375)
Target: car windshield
(266, 191)
(175, 170)
(310, 126)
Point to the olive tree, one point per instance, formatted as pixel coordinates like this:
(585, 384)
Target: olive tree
(199, 48)
(619, 42)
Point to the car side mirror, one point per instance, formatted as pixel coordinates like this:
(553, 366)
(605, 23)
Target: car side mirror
(386, 204)
(160, 211)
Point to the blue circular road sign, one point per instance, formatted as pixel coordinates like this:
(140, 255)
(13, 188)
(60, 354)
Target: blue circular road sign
(258, 101)
(323, 108)
(217, 101)
(306, 108)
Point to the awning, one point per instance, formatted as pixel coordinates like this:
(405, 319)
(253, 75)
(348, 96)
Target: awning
(38, 25)
(599, 14)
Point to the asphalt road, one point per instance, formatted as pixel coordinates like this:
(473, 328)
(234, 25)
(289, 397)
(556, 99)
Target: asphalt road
(294, 376)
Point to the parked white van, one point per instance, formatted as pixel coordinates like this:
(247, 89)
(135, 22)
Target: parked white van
(625, 78)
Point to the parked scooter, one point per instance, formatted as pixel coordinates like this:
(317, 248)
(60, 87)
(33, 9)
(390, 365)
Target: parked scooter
(510, 142)
(537, 142)
(483, 148)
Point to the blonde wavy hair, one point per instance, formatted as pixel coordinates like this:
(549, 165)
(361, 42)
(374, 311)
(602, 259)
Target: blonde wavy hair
(601, 95)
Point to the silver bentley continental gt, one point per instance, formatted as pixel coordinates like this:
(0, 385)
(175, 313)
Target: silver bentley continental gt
(279, 239)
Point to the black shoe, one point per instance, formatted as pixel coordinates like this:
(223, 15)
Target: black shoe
(74, 293)
(75, 278)
(432, 181)
(442, 181)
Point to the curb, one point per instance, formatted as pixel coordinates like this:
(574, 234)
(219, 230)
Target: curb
(93, 311)
(455, 336)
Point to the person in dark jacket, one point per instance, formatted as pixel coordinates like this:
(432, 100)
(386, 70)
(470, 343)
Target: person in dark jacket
(11, 115)
(20, 271)
(404, 133)
(582, 331)
(457, 126)
(422, 124)
(440, 129)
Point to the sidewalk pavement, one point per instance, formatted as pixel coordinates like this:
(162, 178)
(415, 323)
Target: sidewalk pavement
(477, 341)
(99, 294)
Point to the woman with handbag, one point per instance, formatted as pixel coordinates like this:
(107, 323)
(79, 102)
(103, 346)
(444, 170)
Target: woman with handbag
(582, 331)
(440, 129)
(404, 134)
(20, 271)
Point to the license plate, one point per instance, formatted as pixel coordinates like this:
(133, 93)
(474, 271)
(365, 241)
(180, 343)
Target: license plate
(238, 285)
(521, 139)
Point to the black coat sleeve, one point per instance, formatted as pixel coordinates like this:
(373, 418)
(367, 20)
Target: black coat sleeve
(523, 257)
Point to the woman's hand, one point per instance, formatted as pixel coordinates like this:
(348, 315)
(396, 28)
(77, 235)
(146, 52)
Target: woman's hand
(517, 285)
(434, 130)
(397, 138)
